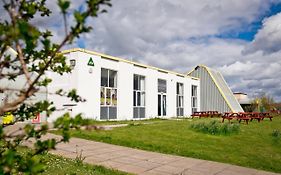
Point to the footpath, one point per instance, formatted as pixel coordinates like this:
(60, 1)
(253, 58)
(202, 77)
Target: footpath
(145, 162)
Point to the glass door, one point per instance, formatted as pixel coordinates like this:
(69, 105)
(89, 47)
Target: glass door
(162, 104)
(162, 97)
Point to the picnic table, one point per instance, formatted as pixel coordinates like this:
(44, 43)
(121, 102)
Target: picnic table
(206, 114)
(200, 114)
(256, 115)
(246, 116)
(229, 116)
(238, 116)
(266, 115)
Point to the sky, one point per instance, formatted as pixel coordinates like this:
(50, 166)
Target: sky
(240, 38)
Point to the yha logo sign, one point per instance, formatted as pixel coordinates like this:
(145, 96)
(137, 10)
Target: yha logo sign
(91, 62)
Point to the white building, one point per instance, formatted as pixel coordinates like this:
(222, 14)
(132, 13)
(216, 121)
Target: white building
(118, 89)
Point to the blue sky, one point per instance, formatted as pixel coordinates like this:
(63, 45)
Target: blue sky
(247, 32)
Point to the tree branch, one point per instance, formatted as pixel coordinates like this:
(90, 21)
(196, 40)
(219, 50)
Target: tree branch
(23, 64)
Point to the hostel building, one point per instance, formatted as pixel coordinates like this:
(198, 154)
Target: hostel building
(118, 89)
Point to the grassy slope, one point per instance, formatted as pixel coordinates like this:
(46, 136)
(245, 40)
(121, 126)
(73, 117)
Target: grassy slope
(252, 147)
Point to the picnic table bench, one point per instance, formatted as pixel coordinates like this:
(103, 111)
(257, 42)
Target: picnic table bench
(238, 116)
(229, 116)
(266, 115)
(206, 114)
(199, 114)
(214, 113)
(245, 116)
(256, 115)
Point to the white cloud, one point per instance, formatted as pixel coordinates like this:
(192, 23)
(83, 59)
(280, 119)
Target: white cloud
(179, 35)
(268, 38)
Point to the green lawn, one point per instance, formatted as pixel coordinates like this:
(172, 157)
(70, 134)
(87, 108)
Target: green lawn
(254, 146)
(57, 165)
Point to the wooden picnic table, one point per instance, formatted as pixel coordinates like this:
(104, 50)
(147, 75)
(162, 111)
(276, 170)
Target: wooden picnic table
(266, 115)
(238, 116)
(256, 115)
(246, 116)
(206, 114)
(214, 114)
(229, 116)
(199, 114)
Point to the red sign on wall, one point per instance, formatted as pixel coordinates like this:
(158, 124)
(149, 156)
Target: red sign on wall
(36, 119)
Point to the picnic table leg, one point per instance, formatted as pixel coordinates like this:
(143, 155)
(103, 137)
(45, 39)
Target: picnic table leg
(222, 120)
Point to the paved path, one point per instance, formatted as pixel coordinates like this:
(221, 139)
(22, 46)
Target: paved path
(145, 162)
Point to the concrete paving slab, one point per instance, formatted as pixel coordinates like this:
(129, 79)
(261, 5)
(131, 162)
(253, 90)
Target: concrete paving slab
(164, 159)
(155, 172)
(147, 164)
(265, 173)
(194, 172)
(242, 170)
(109, 155)
(132, 169)
(126, 160)
(169, 169)
(111, 164)
(210, 167)
(186, 162)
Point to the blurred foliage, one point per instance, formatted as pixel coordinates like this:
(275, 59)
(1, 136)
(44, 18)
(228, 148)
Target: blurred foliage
(262, 103)
(36, 53)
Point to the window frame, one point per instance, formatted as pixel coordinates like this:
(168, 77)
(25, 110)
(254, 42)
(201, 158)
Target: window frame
(139, 90)
(194, 98)
(104, 89)
(180, 98)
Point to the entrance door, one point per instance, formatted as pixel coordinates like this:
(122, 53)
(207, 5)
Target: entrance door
(162, 104)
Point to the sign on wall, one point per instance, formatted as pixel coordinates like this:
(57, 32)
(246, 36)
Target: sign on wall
(91, 62)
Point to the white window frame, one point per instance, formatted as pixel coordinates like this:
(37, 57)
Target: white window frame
(112, 90)
(140, 91)
(180, 95)
(194, 99)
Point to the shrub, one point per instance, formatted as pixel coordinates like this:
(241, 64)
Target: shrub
(276, 134)
(215, 128)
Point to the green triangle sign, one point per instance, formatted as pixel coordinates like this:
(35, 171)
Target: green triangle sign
(91, 62)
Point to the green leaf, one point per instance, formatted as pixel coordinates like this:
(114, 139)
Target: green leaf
(64, 5)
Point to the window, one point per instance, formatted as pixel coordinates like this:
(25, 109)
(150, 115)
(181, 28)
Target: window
(193, 98)
(162, 86)
(72, 63)
(108, 94)
(139, 96)
(179, 99)
(162, 97)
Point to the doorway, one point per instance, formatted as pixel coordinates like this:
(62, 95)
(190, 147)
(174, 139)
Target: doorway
(162, 97)
(162, 104)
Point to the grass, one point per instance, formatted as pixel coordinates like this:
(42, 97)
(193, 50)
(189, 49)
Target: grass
(107, 122)
(59, 165)
(254, 146)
